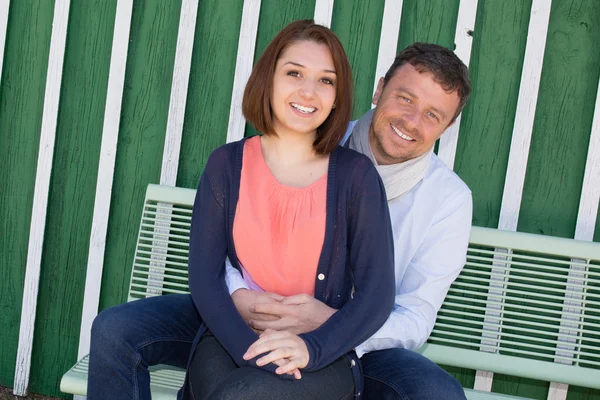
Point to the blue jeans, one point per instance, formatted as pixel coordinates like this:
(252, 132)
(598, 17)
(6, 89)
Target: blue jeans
(128, 338)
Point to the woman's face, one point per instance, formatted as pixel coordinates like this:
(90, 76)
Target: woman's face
(303, 88)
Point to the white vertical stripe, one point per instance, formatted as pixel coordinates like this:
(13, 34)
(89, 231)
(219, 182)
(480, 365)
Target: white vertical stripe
(3, 28)
(179, 89)
(465, 25)
(323, 12)
(521, 137)
(40, 197)
(388, 42)
(584, 230)
(525, 114)
(590, 191)
(243, 68)
(106, 168)
(170, 162)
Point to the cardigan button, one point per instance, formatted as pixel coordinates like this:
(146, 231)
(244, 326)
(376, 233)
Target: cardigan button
(352, 363)
(321, 277)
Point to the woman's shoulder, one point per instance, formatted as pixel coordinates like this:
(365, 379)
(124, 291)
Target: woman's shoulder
(223, 157)
(353, 164)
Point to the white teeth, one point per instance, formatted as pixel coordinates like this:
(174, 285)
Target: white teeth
(302, 109)
(402, 135)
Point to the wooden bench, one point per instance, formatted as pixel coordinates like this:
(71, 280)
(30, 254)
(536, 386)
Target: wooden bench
(525, 305)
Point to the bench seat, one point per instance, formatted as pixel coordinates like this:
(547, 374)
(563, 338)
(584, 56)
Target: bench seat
(524, 305)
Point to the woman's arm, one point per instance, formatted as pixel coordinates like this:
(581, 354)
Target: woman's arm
(208, 250)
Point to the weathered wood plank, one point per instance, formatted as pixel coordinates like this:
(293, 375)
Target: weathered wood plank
(388, 42)
(40, 196)
(71, 202)
(210, 86)
(323, 12)
(274, 15)
(106, 167)
(179, 91)
(465, 27)
(4, 7)
(243, 68)
(358, 24)
(21, 102)
(144, 114)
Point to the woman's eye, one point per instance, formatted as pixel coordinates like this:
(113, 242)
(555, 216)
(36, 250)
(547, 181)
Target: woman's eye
(327, 81)
(293, 73)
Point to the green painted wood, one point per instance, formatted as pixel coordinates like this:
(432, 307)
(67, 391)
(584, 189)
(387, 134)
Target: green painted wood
(358, 25)
(560, 137)
(21, 102)
(144, 115)
(487, 122)
(274, 15)
(431, 21)
(72, 191)
(210, 86)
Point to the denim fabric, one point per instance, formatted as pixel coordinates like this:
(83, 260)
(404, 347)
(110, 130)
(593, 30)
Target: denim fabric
(213, 375)
(400, 374)
(128, 338)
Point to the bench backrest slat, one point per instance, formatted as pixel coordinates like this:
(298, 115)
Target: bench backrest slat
(524, 304)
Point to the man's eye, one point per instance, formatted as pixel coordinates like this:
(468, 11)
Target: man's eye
(432, 115)
(406, 99)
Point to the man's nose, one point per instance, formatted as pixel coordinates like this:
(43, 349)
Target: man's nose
(412, 119)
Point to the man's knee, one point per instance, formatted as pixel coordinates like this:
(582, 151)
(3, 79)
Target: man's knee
(404, 374)
(111, 327)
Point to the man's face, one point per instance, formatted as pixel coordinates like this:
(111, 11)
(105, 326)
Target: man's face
(412, 113)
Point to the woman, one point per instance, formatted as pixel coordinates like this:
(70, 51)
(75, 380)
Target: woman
(295, 213)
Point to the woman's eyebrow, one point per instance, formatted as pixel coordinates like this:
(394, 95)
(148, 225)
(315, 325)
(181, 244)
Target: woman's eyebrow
(302, 66)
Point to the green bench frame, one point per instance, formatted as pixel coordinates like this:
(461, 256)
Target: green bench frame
(524, 305)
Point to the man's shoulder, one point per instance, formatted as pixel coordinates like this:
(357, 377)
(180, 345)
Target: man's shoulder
(445, 180)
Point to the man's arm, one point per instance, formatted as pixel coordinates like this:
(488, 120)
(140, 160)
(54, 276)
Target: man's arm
(432, 270)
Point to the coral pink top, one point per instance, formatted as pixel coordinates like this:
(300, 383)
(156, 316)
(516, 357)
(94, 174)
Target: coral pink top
(278, 230)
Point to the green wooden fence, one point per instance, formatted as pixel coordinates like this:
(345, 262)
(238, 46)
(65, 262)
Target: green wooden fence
(554, 173)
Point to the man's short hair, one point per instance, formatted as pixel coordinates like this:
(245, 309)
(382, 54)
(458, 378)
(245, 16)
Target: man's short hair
(447, 69)
(256, 104)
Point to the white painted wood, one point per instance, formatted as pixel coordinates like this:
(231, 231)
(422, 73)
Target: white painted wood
(525, 113)
(172, 149)
(558, 391)
(323, 12)
(179, 89)
(106, 168)
(590, 191)
(388, 42)
(521, 138)
(40, 197)
(4, 6)
(243, 68)
(584, 230)
(465, 25)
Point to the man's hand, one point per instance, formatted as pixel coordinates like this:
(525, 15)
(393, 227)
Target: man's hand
(296, 314)
(245, 300)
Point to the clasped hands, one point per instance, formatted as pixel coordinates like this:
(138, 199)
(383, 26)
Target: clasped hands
(278, 321)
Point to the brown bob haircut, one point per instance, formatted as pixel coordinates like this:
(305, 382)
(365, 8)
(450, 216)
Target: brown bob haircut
(256, 104)
(447, 69)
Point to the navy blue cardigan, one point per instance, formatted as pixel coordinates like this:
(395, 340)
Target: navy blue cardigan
(357, 259)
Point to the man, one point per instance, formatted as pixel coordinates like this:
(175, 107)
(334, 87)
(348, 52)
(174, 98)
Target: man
(421, 96)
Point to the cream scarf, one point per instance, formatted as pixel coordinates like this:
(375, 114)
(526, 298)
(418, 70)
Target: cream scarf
(398, 179)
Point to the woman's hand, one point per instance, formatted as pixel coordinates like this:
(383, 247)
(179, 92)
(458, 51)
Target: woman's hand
(285, 349)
